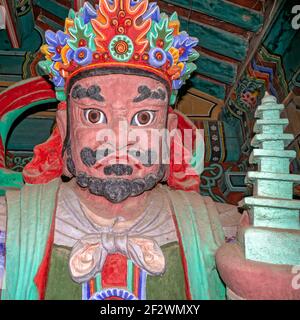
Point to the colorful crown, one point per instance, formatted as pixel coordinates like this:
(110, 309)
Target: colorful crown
(123, 33)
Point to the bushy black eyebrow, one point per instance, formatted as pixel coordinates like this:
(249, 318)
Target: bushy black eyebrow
(146, 93)
(92, 92)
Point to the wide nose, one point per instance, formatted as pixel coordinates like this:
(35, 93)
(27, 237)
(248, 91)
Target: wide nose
(118, 129)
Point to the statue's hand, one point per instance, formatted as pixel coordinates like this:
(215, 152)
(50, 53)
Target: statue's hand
(230, 219)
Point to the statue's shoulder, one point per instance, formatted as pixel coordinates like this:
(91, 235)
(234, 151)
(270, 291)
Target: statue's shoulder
(191, 204)
(28, 202)
(12, 195)
(203, 207)
(191, 198)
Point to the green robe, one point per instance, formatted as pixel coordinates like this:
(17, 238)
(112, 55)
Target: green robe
(31, 213)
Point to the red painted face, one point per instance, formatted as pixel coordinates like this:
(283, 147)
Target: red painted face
(101, 107)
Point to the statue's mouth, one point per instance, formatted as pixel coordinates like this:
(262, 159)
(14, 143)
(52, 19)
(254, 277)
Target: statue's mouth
(117, 190)
(118, 170)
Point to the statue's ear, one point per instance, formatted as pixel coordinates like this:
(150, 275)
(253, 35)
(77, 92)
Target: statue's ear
(181, 176)
(172, 121)
(61, 119)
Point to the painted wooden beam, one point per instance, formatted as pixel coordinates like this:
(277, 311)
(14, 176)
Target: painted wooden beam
(218, 40)
(209, 86)
(49, 23)
(53, 7)
(11, 63)
(217, 69)
(224, 10)
(38, 12)
(197, 16)
(10, 78)
(252, 4)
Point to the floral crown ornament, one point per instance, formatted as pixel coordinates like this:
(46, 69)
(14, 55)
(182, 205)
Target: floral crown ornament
(120, 33)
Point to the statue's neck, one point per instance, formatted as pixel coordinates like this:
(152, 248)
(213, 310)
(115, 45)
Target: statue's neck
(104, 213)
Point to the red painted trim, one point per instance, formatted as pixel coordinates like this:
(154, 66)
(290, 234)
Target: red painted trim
(21, 95)
(26, 93)
(183, 259)
(37, 59)
(11, 28)
(136, 280)
(2, 154)
(111, 64)
(28, 99)
(41, 277)
(92, 286)
(78, 4)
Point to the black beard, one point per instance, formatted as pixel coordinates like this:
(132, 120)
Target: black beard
(117, 190)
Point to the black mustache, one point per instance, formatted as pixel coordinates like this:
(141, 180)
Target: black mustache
(118, 169)
(89, 157)
(117, 190)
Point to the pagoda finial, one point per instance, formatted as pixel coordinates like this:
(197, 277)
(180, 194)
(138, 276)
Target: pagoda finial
(268, 98)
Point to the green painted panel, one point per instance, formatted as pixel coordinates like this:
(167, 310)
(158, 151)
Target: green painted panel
(291, 57)
(25, 25)
(209, 87)
(11, 64)
(10, 78)
(281, 32)
(29, 133)
(217, 40)
(32, 42)
(226, 11)
(232, 149)
(216, 69)
(4, 40)
(9, 118)
(284, 41)
(53, 7)
(232, 135)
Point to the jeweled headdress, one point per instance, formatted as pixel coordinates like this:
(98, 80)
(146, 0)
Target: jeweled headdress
(120, 33)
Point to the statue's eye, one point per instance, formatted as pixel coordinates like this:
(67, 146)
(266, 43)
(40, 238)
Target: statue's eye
(94, 116)
(143, 118)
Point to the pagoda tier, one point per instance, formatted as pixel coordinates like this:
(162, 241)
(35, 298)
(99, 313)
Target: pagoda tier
(274, 234)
